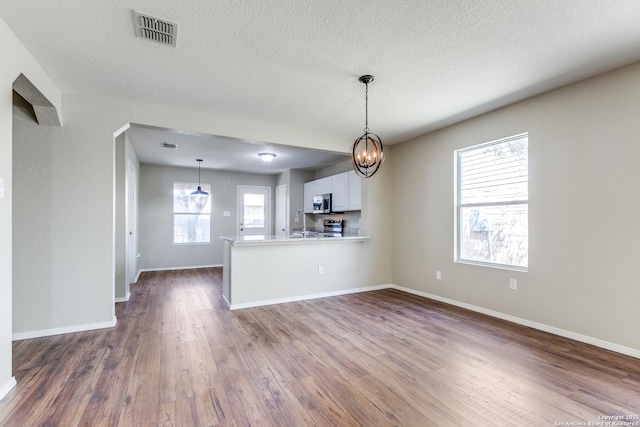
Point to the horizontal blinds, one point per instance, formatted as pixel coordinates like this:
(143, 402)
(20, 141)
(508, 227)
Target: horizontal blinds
(494, 173)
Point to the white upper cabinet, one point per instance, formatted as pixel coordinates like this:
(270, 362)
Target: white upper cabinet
(345, 189)
(309, 192)
(354, 201)
(323, 186)
(339, 192)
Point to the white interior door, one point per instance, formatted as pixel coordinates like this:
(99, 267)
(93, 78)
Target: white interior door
(131, 221)
(254, 211)
(281, 210)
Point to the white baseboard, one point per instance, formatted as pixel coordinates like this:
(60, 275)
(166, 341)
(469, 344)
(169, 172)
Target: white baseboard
(125, 298)
(307, 297)
(7, 386)
(64, 330)
(535, 325)
(177, 268)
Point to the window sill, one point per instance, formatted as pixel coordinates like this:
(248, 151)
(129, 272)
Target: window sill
(493, 265)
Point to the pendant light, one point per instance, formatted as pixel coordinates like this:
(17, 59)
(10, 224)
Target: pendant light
(367, 153)
(199, 191)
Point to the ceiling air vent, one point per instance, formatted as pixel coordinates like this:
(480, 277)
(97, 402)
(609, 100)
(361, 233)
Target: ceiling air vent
(167, 145)
(156, 29)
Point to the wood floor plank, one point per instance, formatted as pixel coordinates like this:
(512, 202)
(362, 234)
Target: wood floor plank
(439, 399)
(167, 414)
(105, 402)
(179, 357)
(69, 405)
(212, 406)
(320, 403)
(17, 396)
(142, 394)
(213, 330)
(400, 405)
(283, 410)
(175, 377)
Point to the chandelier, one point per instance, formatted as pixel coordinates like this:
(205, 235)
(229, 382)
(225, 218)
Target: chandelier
(367, 151)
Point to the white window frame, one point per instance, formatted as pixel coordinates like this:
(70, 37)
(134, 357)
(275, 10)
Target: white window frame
(194, 186)
(459, 206)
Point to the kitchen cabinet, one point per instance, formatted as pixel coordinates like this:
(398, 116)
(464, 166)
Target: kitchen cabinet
(309, 192)
(314, 188)
(345, 189)
(339, 192)
(323, 185)
(354, 200)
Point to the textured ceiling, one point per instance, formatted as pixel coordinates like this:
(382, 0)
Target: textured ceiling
(297, 62)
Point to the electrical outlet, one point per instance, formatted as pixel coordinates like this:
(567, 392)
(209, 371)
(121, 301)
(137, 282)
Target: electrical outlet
(438, 275)
(320, 269)
(513, 284)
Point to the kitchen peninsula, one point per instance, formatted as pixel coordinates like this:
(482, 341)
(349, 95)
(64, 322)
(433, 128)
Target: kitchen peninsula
(263, 270)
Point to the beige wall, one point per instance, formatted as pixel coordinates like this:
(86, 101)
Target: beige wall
(584, 211)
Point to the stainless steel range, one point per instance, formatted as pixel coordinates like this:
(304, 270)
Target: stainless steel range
(332, 227)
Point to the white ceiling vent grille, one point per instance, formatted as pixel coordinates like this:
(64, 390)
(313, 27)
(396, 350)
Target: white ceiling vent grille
(156, 29)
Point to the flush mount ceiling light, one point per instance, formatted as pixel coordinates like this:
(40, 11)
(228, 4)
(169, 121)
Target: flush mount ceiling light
(367, 152)
(199, 191)
(267, 157)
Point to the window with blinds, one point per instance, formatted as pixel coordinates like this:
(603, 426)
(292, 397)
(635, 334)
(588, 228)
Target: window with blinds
(492, 209)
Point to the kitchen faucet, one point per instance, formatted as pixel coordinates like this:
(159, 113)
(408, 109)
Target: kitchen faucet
(304, 221)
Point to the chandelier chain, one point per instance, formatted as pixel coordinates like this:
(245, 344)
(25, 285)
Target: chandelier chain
(366, 108)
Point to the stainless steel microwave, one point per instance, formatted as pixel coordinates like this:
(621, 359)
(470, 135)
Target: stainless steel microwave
(322, 203)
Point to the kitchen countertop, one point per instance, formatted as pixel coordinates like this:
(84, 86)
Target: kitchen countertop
(291, 239)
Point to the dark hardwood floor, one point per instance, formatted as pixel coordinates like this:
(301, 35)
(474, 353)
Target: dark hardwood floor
(179, 357)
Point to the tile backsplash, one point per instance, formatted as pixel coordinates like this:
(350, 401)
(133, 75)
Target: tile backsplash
(350, 224)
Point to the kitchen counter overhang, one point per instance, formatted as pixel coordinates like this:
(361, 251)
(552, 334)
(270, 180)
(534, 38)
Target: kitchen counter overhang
(290, 239)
